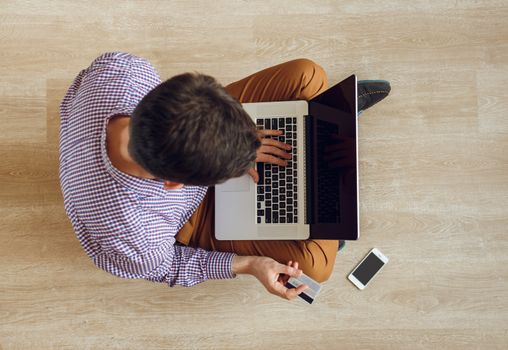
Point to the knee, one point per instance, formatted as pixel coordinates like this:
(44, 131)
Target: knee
(319, 259)
(319, 274)
(305, 66)
(310, 75)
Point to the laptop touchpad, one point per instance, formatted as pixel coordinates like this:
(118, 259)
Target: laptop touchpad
(237, 184)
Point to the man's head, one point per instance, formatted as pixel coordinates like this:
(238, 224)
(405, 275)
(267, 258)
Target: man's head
(190, 130)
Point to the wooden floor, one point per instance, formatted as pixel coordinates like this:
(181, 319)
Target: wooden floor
(434, 175)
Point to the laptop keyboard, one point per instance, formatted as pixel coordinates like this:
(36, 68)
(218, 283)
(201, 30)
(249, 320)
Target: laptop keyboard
(277, 198)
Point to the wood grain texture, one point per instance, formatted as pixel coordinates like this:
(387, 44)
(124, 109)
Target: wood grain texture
(433, 185)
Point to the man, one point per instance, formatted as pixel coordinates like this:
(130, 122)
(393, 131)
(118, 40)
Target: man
(139, 158)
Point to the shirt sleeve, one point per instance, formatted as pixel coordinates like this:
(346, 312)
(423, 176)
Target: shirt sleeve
(171, 264)
(196, 265)
(126, 247)
(118, 80)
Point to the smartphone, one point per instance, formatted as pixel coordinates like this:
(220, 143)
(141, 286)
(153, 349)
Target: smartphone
(368, 268)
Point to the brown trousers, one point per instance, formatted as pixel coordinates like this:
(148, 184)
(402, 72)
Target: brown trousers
(295, 80)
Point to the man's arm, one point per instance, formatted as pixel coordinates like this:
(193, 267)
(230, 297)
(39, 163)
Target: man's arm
(174, 265)
(188, 266)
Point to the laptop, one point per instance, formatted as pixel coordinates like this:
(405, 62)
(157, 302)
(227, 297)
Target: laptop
(314, 197)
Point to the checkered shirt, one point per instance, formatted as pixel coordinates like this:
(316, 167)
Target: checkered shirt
(126, 224)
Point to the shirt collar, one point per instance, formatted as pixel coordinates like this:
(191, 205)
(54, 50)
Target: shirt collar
(141, 186)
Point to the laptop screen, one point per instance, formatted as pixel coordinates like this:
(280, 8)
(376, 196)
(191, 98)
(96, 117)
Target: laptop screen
(332, 190)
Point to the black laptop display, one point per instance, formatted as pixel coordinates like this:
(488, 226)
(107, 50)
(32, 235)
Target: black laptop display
(331, 147)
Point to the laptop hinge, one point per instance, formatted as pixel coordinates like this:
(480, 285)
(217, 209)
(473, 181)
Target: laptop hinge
(309, 169)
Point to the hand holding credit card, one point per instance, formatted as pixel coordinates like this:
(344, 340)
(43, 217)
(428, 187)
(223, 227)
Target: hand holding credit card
(272, 274)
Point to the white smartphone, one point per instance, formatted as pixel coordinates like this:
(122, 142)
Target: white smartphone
(368, 268)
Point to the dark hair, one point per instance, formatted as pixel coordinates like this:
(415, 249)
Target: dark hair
(190, 130)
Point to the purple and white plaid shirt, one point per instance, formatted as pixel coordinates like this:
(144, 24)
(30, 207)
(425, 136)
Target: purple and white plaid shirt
(126, 224)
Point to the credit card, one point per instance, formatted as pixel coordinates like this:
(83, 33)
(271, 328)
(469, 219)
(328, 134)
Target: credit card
(309, 294)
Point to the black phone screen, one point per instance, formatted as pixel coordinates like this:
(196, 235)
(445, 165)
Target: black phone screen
(368, 268)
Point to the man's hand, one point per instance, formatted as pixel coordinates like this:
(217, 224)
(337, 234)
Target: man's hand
(270, 273)
(271, 151)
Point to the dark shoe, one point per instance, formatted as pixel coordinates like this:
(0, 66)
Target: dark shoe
(371, 92)
(342, 244)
